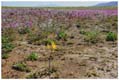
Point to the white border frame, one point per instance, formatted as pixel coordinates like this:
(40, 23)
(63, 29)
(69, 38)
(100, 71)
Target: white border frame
(59, 0)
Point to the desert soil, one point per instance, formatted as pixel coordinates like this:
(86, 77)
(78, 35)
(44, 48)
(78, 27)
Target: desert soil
(76, 60)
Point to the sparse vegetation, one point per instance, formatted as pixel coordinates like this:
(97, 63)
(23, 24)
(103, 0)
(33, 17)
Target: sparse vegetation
(5, 56)
(47, 41)
(92, 37)
(40, 74)
(59, 42)
(111, 36)
(82, 32)
(62, 35)
(20, 66)
(7, 46)
(37, 38)
(33, 38)
(24, 30)
(9, 34)
(33, 56)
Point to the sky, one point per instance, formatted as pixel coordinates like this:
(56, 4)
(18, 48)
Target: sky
(48, 4)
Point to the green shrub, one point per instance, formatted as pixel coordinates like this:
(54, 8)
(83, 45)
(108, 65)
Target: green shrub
(5, 56)
(92, 37)
(7, 46)
(62, 35)
(33, 56)
(5, 39)
(111, 36)
(20, 66)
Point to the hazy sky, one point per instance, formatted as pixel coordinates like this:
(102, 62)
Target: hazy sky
(48, 4)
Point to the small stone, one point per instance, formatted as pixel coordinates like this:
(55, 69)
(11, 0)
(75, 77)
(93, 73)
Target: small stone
(63, 58)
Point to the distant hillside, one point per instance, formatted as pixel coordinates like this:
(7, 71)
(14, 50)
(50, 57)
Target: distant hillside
(108, 4)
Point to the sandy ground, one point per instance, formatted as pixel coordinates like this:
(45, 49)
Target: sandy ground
(81, 61)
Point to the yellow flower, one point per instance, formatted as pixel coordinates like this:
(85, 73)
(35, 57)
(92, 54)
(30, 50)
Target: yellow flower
(53, 45)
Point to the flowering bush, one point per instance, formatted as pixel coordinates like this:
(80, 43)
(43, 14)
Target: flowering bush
(38, 16)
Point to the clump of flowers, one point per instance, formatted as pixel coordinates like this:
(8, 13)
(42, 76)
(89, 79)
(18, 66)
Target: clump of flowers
(52, 46)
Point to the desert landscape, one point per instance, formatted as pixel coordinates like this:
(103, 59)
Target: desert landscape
(60, 42)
